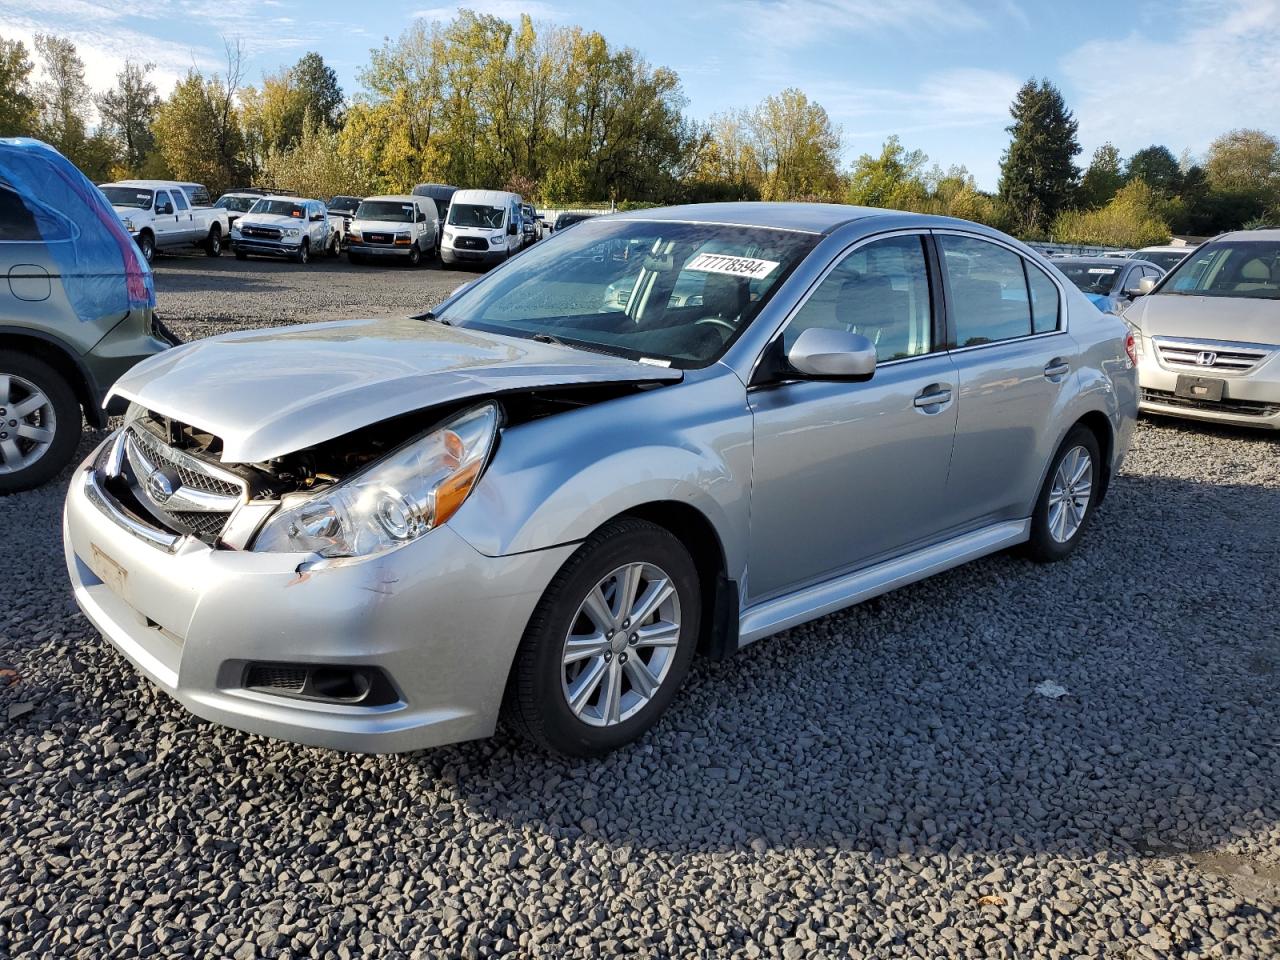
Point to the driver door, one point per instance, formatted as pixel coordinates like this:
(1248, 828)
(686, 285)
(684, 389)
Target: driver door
(847, 473)
(165, 224)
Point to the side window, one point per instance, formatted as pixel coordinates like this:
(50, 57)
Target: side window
(16, 221)
(179, 201)
(1044, 299)
(880, 290)
(988, 291)
(199, 197)
(162, 197)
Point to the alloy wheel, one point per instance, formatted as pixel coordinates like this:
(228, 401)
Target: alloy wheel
(621, 644)
(27, 423)
(1070, 494)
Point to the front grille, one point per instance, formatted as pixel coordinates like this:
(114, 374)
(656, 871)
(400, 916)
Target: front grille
(379, 238)
(1217, 355)
(471, 243)
(1247, 408)
(264, 233)
(181, 491)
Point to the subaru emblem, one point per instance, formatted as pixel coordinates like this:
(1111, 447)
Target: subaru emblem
(159, 486)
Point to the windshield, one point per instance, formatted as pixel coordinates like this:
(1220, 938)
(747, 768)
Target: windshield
(238, 204)
(1091, 277)
(1164, 259)
(673, 292)
(475, 215)
(344, 204)
(279, 208)
(393, 210)
(1231, 268)
(128, 197)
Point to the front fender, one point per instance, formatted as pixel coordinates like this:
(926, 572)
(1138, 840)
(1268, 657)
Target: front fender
(555, 480)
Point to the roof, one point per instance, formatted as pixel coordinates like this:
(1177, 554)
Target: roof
(397, 198)
(811, 217)
(497, 198)
(1271, 234)
(153, 184)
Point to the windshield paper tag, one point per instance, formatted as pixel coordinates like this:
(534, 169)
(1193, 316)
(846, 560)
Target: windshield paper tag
(1102, 269)
(748, 267)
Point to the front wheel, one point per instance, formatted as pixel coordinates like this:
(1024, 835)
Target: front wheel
(609, 643)
(1068, 498)
(303, 255)
(415, 255)
(39, 422)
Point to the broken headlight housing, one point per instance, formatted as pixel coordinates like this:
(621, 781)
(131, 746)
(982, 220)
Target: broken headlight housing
(394, 500)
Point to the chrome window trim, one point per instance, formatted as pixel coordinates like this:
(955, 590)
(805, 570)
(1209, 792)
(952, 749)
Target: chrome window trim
(836, 260)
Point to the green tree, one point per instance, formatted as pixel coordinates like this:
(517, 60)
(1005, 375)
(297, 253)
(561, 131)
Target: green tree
(1158, 168)
(892, 179)
(18, 114)
(197, 129)
(319, 90)
(1103, 178)
(1037, 172)
(1245, 161)
(127, 110)
(1131, 219)
(798, 147)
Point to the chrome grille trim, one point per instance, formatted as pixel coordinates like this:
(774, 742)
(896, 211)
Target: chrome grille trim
(1224, 356)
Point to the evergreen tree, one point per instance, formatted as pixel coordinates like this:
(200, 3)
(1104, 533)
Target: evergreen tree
(1158, 168)
(1103, 178)
(1037, 174)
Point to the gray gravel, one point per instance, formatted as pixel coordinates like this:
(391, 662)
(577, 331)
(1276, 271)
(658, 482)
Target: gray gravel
(884, 782)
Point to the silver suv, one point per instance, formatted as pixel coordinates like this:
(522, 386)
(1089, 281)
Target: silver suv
(1209, 333)
(379, 534)
(76, 310)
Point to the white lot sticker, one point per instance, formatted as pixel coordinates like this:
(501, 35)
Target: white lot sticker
(748, 267)
(1107, 270)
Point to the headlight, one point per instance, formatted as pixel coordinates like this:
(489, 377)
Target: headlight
(353, 235)
(497, 237)
(292, 231)
(448, 236)
(128, 224)
(399, 498)
(235, 228)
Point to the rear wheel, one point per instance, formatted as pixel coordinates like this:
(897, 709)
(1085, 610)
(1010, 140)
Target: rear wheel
(39, 422)
(1067, 499)
(609, 643)
(213, 245)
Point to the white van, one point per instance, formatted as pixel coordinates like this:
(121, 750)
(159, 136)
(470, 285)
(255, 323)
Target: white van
(483, 226)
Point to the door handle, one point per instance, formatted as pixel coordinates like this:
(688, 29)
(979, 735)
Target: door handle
(932, 396)
(1056, 369)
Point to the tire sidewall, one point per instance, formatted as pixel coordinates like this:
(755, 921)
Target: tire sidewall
(147, 244)
(66, 435)
(560, 729)
(214, 248)
(304, 253)
(1042, 546)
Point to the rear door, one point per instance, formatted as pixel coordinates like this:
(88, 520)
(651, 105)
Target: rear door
(1016, 365)
(850, 472)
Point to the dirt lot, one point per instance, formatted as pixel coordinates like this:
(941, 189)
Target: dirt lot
(889, 781)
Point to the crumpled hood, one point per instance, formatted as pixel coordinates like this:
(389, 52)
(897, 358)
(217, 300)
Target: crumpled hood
(266, 393)
(1242, 319)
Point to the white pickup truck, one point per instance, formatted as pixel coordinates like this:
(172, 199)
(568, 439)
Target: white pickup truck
(167, 214)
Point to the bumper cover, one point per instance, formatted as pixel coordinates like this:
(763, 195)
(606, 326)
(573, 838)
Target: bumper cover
(442, 620)
(1249, 399)
(450, 255)
(378, 250)
(269, 248)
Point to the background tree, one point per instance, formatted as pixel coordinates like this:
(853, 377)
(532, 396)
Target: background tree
(892, 179)
(1245, 161)
(1158, 168)
(127, 111)
(798, 147)
(319, 91)
(1131, 219)
(1037, 172)
(1103, 178)
(18, 113)
(197, 129)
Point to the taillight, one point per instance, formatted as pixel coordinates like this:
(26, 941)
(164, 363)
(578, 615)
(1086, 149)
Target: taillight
(1131, 348)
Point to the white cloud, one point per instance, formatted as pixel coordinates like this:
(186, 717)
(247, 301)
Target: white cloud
(503, 9)
(1221, 70)
(788, 24)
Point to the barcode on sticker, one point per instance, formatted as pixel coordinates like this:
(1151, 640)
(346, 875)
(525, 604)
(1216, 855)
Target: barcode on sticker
(748, 267)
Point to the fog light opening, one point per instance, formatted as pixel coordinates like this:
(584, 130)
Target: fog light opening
(335, 683)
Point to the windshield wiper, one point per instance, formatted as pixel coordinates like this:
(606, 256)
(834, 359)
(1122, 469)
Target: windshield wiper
(548, 338)
(430, 315)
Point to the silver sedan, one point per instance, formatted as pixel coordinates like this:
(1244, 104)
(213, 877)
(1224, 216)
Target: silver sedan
(543, 499)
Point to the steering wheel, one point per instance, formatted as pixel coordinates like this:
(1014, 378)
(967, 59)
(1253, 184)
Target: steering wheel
(718, 322)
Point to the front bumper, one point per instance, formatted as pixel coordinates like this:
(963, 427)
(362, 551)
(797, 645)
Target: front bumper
(266, 248)
(379, 250)
(439, 618)
(1249, 399)
(487, 257)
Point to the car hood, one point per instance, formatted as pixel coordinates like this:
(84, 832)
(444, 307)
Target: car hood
(266, 393)
(271, 220)
(1241, 319)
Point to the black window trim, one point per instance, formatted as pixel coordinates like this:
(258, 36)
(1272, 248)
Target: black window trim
(951, 327)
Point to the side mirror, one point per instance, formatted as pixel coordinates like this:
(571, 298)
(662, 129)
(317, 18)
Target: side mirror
(166, 208)
(512, 229)
(317, 217)
(1145, 286)
(822, 352)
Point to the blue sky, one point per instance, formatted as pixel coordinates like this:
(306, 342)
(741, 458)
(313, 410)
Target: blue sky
(939, 73)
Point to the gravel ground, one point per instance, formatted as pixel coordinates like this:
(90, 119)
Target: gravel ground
(883, 782)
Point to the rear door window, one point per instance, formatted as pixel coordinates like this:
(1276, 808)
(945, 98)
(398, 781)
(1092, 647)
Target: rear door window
(1044, 299)
(987, 289)
(16, 221)
(179, 201)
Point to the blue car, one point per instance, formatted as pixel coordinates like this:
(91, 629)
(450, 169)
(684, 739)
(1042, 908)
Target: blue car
(1109, 282)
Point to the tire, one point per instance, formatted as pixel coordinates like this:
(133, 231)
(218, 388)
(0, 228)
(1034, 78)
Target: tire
(415, 256)
(333, 247)
(241, 255)
(303, 256)
(1064, 508)
(213, 246)
(354, 258)
(147, 244)
(21, 378)
(537, 699)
